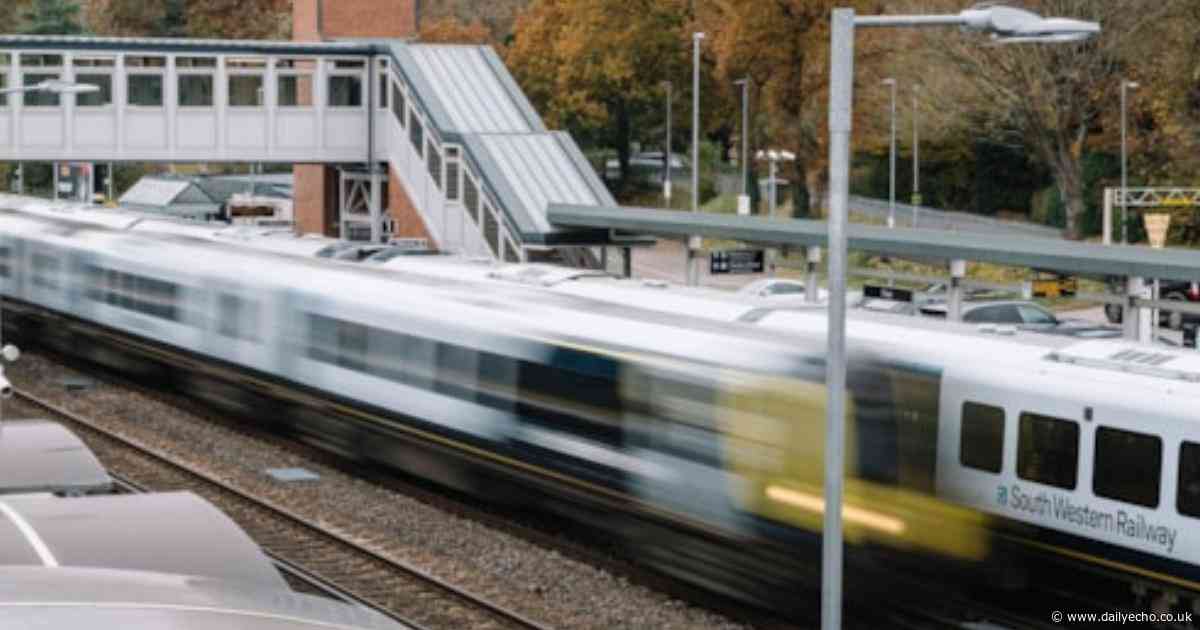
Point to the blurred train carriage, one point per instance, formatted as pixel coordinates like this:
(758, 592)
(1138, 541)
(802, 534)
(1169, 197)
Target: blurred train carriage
(696, 441)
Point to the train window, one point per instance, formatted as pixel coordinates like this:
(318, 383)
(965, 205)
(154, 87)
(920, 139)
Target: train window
(982, 445)
(45, 271)
(1188, 501)
(236, 317)
(337, 342)
(139, 294)
(1128, 466)
(1048, 451)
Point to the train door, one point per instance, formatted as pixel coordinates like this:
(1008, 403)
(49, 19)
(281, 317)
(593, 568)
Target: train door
(236, 318)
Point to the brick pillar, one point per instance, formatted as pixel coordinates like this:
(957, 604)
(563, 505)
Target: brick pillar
(313, 20)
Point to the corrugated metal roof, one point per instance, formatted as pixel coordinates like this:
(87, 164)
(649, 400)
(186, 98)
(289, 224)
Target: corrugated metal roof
(471, 91)
(154, 191)
(531, 171)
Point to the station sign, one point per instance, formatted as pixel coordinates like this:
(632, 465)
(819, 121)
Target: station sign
(888, 293)
(738, 261)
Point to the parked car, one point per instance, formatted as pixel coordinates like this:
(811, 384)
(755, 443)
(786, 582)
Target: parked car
(1170, 290)
(1024, 315)
(785, 292)
(648, 165)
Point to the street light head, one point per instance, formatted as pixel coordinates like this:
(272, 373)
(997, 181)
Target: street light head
(1010, 25)
(697, 36)
(889, 81)
(742, 82)
(57, 86)
(1132, 85)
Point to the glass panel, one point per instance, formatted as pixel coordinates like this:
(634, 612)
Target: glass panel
(346, 64)
(5, 59)
(296, 64)
(95, 99)
(416, 133)
(1128, 466)
(146, 90)
(345, 92)
(145, 62)
(398, 105)
(1048, 451)
(246, 91)
(452, 184)
(196, 90)
(93, 62)
(1189, 480)
(471, 198)
(491, 230)
(41, 61)
(982, 445)
(384, 83)
(40, 99)
(296, 91)
(195, 62)
(435, 164)
(242, 64)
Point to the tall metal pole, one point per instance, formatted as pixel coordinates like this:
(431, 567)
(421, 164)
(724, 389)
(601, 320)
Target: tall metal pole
(841, 103)
(693, 260)
(891, 221)
(916, 196)
(1125, 87)
(745, 135)
(667, 185)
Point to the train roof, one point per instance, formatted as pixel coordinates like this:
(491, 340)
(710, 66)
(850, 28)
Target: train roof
(66, 598)
(44, 456)
(177, 533)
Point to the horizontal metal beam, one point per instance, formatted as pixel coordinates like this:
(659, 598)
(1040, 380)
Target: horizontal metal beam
(1036, 253)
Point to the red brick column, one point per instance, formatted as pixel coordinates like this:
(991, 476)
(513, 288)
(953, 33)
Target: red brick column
(317, 185)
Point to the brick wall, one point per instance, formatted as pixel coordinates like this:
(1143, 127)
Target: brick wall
(316, 185)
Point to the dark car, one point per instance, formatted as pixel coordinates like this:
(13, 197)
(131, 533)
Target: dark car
(1170, 290)
(1024, 316)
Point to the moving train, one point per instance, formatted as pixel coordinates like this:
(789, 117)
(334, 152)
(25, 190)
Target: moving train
(684, 424)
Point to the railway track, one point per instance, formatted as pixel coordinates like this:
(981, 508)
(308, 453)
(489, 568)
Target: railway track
(331, 562)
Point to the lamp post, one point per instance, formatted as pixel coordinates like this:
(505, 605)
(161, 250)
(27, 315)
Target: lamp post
(1006, 25)
(891, 221)
(693, 244)
(1125, 87)
(916, 194)
(744, 198)
(670, 88)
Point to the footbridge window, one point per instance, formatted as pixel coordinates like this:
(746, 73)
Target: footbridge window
(1128, 466)
(1048, 451)
(381, 96)
(5, 64)
(294, 80)
(196, 80)
(346, 83)
(144, 79)
(246, 82)
(97, 71)
(398, 104)
(416, 133)
(435, 163)
(453, 173)
(38, 68)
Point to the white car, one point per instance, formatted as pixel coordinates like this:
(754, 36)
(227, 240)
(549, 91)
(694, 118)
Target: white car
(787, 292)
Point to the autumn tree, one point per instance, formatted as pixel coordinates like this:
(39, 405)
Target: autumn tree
(1050, 97)
(783, 47)
(599, 64)
(239, 19)
(497, 16)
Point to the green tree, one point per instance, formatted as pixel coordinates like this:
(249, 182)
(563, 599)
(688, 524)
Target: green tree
(51, 17)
